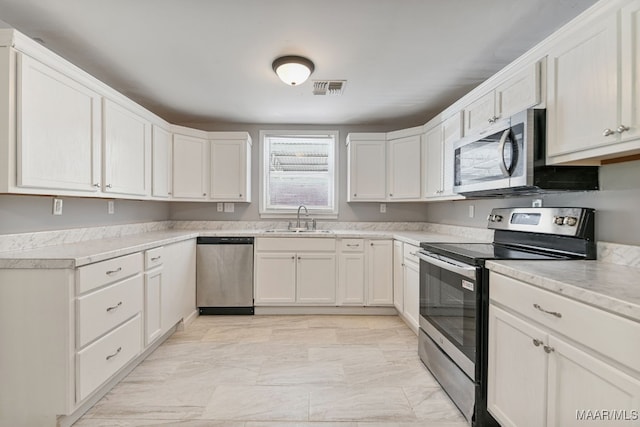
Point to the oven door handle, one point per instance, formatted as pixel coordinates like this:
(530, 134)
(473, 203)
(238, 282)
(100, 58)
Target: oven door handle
(469, 271)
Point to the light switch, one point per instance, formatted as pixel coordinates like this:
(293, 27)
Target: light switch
(383, 208)
(472, 211)
(220, 207)
(57, 206)
(229, 207)
(111, 207)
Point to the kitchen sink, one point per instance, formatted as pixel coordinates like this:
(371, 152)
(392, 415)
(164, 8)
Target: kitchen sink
(298, 231)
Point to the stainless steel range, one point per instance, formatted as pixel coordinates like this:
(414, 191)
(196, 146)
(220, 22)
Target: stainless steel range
(454, 293)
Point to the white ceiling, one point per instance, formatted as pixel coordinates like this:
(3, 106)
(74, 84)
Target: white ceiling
(210, 60)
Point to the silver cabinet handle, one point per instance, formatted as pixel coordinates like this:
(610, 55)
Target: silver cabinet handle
(355, 194)
(537, 342)
(607, 132)
(155, 258)
(108, 185)
(390, 195)
(111, 356)
(553, 313)
(548, 349)
(97, 185)
(622, 128)
(117, 270)
(413, 253)
(352, 245)
(293, 257)
(204, 194)
(113, 307)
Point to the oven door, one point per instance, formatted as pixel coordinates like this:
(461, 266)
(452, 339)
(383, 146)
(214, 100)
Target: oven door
(449, 301)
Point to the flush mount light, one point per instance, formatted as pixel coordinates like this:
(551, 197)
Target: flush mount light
(293, 70)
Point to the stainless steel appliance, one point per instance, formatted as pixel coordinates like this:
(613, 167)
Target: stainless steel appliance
(454, 293)
(508, 158)
(224, 275)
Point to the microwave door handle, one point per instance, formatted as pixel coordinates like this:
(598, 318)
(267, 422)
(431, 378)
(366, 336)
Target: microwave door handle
(469, 272)
(506, 170)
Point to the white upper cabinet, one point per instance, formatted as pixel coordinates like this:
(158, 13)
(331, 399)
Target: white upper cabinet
(58, 130)
(127, 151)
(593, 90)
(190, 167)
(366, 167)
(516, 93)
(437, 154)
(161, 164)
(231, 167)
(404, 168)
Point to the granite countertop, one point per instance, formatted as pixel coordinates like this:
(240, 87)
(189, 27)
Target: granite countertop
(610, 287)
(72, 255)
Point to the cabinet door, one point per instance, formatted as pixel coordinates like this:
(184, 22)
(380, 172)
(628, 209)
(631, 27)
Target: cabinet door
(517, 371)
(380, 272)
(178, 290)
(398, 276)
(351, 279)
(58, 130)
(518, 93)
(127, 151)
(432, 153)
(580, 382)
(316, 278)
(367, 171)
(630, 72)
(479, 114)
(152, 297)
(451, 132)
(161, 164)
(412, 293)
(404, 174)
(229, 170)
(275, 278)
(190, 167)
(582, 92)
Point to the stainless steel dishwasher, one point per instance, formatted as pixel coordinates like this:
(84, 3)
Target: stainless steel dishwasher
(224, 275)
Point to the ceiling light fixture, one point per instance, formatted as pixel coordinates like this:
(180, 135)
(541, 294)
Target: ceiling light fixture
(293, 70)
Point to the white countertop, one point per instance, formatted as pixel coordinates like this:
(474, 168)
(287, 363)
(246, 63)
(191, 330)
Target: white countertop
(72, 255)
(611, 287)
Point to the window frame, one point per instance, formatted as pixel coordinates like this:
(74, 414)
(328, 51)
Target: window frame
(263, 170)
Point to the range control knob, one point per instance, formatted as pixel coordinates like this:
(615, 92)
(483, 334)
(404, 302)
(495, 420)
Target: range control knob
(497, 218)
(571, 221)
(559, 220)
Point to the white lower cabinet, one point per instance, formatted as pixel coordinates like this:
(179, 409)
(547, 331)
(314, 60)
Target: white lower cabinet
(379, 277)
(295, 271)
(153, 260)
(406, 283)
(412, 293)
(554, 361)
(398, 276)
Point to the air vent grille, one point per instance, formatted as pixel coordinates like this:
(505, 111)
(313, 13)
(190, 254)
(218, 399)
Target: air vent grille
(329, 87)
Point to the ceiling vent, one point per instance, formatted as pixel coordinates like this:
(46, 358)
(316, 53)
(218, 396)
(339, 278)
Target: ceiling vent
(329, 87)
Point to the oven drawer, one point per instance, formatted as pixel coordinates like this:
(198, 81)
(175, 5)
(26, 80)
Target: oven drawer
(613, 336)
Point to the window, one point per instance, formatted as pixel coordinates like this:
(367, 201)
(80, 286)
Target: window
(298, 168)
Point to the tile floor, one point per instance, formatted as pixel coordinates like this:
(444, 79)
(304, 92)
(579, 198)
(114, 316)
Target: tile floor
(289, 371)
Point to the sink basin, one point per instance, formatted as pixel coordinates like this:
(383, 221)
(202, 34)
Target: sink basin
(298, 231)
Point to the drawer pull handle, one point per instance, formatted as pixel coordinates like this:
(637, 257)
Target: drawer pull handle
(353, 245)
(537, 342)
(111, 356)
(113, 307)
(117, 270)
(155, 258)
(548, 349)
(413, 254)
(553, 313)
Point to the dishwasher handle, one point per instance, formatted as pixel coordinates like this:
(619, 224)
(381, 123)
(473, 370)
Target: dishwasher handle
(217, 240)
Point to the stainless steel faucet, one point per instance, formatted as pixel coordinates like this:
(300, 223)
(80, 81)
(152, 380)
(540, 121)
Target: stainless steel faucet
(306, 213)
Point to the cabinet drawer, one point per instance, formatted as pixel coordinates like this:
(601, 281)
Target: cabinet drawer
(105, 357)
(613, 336)
(295, 244)
(104, 309)
(101, 273)
(409, 253)
(351, 245)
(153, 257)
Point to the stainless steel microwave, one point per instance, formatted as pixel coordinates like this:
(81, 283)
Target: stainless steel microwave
(508, 158)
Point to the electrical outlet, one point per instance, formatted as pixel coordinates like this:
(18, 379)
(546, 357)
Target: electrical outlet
(536, 203)
(111, 207)
(220, 207)
(57, 206)
(472, 211)
(383, 208)
(229, 207)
